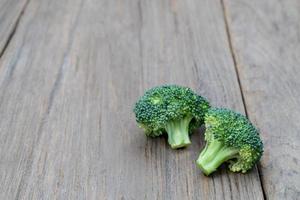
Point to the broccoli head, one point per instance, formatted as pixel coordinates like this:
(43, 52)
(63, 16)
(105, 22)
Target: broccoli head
(171, 109)
(230, 137)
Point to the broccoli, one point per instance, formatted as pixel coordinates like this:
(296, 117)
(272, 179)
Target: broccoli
(171, 109)
(230, 137)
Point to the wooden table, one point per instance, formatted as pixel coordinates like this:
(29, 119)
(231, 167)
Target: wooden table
(71, 71)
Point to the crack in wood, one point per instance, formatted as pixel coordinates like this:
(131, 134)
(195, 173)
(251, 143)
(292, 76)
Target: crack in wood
(235, 62)
(14, 29)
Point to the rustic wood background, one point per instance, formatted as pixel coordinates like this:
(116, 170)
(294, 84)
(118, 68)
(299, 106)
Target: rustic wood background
(71, 71)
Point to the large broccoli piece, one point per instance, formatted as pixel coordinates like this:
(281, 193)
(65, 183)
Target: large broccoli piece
(230, 137)
(171, 109)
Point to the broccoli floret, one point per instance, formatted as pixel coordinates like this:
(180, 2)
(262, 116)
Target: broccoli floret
(230, 137)
(171, 109)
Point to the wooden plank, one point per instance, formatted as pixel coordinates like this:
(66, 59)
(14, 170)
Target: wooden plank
(10, 13)
(68, 83)
(266, 38)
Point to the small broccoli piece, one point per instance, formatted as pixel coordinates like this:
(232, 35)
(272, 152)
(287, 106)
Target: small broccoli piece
(171, 109)
(230, 137)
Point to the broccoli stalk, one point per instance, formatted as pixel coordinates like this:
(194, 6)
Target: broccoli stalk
(178, 132)
(214, 154)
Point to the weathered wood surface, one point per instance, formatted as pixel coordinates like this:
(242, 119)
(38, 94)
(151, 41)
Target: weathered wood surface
(266, 41)
(71, 71)
(10, 13)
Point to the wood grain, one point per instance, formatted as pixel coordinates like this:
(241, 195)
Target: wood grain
(10, 13)
(69, 79)
(266, 41)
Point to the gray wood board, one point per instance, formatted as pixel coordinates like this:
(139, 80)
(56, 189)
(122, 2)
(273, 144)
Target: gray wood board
(69, 79)
(10, 13)
(266, 42)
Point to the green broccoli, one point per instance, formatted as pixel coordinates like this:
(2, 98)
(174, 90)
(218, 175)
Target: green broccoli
(230, 137)
(171, 109)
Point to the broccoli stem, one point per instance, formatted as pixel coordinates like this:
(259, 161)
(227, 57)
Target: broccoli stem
(178, 132)
(213, 155)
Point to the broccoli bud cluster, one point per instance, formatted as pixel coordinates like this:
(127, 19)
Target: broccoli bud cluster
(230, 137)
(171, 109)
(177, 111)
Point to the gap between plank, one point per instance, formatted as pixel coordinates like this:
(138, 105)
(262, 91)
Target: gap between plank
(15, 26)
(234, 58)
